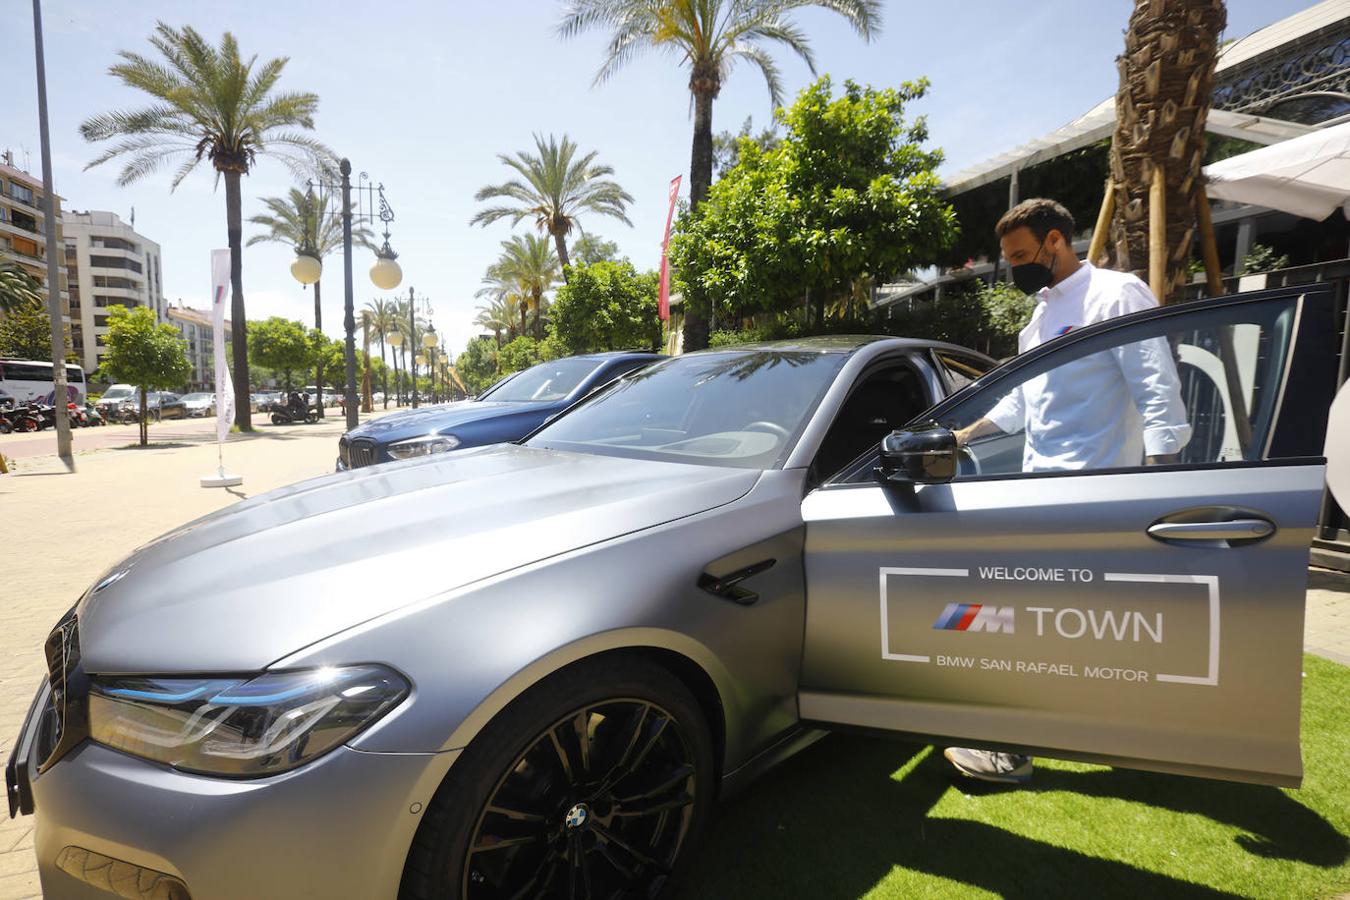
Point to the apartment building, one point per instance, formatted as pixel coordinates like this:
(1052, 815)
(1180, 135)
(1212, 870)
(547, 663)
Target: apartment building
(108, 263)
(196, 328)
(23, 229)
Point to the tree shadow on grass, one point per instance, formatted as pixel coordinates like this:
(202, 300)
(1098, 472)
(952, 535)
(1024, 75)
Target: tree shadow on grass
(834, 821)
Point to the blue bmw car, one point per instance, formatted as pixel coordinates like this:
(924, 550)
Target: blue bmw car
(508, 411)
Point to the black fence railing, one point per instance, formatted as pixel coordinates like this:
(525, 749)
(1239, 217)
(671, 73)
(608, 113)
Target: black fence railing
(1333, 527)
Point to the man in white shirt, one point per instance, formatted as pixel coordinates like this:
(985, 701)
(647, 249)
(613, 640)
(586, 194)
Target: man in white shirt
(1117, 408)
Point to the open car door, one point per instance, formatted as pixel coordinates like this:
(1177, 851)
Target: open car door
(1148, 616)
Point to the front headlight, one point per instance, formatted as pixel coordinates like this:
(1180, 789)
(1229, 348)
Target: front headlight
(240, 727)
(423, 446)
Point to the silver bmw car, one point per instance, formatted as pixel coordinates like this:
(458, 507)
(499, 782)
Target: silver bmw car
(529, 670)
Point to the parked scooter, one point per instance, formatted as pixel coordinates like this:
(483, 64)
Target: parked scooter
(297, 409)
(92, 416)
(23, 417)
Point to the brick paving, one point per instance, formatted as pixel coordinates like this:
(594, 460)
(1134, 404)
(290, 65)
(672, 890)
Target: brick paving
(69, 528)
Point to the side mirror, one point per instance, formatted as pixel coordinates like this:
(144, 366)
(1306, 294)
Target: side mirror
(927, 455)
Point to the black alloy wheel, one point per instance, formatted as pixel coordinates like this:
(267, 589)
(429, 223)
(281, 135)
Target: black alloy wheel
(602, 798)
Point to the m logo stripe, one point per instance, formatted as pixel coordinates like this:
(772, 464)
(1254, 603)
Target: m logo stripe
(957, 616)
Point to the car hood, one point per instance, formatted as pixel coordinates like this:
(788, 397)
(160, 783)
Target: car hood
(243, 587)
(441, 418)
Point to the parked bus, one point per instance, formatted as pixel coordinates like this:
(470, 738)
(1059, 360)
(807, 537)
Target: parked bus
(22, 380)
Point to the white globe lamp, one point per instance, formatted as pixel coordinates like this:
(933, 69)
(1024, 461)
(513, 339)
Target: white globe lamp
(307, 268)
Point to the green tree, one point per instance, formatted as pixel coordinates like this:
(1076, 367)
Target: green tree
(520, 353)
(381, 315)
(555, 187)
(849, 197)
(280, 344)
(710, 37)
(17, 287)
(210, 103)
(607, 306)
(477, 365)
(727, 144)
(528, 262)
(592, 248)
(307, 222)
(26, 331)
(141, 353)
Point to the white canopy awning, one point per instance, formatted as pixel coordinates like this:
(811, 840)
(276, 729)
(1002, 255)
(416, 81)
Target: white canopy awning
(1308, 176)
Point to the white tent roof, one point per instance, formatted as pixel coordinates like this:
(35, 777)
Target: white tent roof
(1097, 125)
(1308, 176)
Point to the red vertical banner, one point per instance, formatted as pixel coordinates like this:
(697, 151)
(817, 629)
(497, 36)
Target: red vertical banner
(665, 244)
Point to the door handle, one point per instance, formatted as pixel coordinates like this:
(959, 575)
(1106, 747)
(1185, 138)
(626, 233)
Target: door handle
(1234, 530)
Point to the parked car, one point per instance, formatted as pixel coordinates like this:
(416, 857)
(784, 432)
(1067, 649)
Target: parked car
(508, 411)
(158, 405)
(533, 667)
(268, 399)
(113, 398)
(200, 403)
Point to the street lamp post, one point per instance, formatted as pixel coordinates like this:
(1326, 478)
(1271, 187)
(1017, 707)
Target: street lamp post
(385, 273)
(414, 358)
(396, 341)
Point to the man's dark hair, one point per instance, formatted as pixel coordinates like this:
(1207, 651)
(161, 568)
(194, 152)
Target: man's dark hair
(1039, 214)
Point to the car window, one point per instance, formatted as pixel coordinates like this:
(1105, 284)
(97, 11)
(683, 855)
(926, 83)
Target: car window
(882, 401)
(962, 368)
(738, 408)
(1201, 390)
(545, 382)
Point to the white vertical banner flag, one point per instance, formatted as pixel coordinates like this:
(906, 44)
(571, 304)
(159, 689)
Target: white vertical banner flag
(220, 285)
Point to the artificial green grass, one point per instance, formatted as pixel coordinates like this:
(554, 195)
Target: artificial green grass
(859, 817)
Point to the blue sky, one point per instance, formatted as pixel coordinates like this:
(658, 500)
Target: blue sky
(423, 94)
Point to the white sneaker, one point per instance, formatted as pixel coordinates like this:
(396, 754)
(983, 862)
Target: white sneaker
(987, 765)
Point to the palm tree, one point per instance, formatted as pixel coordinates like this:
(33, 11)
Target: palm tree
(381, 314)
(496, 317)
(1161, 104)
(557, 187)
(529, 262)
(303, 221)
(17, 287)
(710, 37)
(210, 103)
(503, 289)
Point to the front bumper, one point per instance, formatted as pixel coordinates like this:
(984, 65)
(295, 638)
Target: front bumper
(337, 827)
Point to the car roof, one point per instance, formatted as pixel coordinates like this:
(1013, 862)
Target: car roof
(619, 354)
(838, 343)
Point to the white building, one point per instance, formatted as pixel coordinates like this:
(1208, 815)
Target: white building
(108, 263)
(196, 328)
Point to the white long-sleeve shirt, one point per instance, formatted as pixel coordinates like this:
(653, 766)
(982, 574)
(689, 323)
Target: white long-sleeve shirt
(1105, 410)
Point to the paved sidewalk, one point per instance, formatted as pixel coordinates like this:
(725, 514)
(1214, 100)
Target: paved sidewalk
(70, 528)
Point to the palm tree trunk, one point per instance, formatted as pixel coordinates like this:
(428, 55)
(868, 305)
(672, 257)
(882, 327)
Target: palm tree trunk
(696, 327)
(560, 241)
(1166, 82)
(524, 311)
(234, 228)
(318, 369)
(384, 373)
(539, 315)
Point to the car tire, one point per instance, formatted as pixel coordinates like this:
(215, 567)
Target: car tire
(639, 718)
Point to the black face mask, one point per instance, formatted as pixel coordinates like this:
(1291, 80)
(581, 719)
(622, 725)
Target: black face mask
(1031, 277)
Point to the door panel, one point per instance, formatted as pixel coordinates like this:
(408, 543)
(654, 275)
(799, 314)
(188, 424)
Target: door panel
(1039, 614)
(1147, 616)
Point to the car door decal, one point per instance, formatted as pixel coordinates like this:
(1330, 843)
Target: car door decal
(1041, 625)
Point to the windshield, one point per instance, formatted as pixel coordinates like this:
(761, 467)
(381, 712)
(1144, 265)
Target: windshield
(194, 398)
(117, 393)
(742, 409)
(545, 382)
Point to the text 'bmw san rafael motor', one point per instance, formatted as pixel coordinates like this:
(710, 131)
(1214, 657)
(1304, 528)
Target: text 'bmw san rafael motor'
(529, 669)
